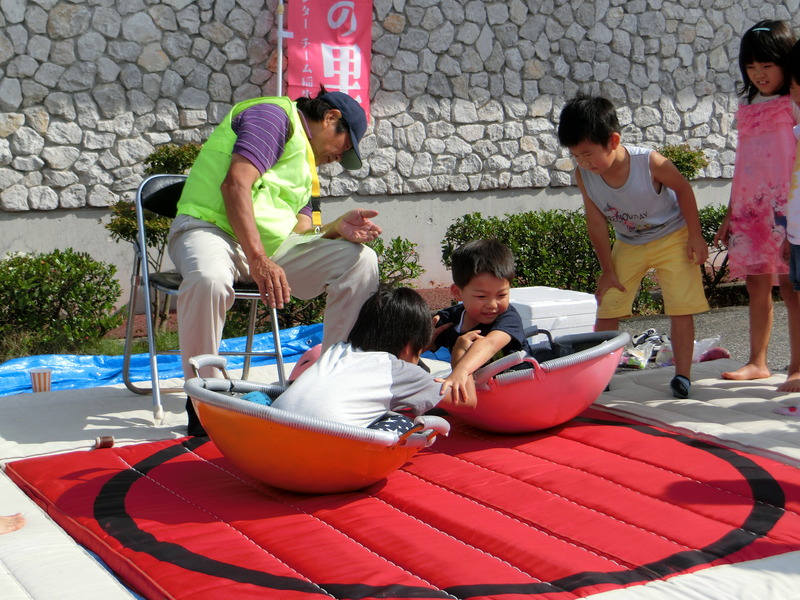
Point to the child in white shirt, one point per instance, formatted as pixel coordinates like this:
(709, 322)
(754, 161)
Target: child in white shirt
(376, 371)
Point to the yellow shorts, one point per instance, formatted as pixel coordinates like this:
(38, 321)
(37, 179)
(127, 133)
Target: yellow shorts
(681, 281)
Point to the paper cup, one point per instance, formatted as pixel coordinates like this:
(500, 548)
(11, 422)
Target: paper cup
(40, 379)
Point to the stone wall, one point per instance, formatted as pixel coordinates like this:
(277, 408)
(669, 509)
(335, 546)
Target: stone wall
(465, 93)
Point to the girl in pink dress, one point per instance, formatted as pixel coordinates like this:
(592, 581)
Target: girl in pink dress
(754, 227)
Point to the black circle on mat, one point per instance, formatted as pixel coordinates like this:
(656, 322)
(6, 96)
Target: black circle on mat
(768, 507)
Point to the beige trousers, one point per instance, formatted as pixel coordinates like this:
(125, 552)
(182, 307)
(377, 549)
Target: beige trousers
(210, 261)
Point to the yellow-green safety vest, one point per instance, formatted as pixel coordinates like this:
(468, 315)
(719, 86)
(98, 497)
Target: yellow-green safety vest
(278, 195)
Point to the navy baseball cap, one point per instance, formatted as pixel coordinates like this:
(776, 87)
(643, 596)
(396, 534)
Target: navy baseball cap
(356, 120)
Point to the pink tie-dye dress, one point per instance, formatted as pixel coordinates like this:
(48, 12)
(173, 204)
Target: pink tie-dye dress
(765, 155)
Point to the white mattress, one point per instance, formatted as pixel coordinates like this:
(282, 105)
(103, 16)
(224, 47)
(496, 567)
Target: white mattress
(736, 413)
(41, 561)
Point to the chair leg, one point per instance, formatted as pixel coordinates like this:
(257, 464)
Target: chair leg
(276, 341)
(126, 358)
(158, 411)
(251, 331)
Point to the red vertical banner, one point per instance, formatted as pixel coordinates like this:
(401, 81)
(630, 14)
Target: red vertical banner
(329, 42)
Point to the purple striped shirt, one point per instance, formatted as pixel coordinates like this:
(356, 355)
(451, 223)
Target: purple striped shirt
(261, 134)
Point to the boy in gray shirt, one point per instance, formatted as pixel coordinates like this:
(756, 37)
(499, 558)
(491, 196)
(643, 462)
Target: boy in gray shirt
(653, 211)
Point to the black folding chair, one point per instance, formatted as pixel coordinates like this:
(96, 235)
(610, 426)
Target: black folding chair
(160, 194)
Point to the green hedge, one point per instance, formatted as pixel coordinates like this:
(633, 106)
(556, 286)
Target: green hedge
(552, 248)
(55, 301)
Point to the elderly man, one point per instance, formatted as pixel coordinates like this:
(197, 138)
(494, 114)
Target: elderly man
(245, 215)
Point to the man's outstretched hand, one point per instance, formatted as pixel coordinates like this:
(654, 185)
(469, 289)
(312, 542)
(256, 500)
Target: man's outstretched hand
(355, 226)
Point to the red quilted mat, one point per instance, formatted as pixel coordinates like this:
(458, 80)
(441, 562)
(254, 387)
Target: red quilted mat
(597, 504)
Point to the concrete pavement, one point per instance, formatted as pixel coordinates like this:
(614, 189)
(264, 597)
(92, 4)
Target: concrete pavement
(732, 325)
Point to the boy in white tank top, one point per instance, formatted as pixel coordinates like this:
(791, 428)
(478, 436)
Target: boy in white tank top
(653, 211)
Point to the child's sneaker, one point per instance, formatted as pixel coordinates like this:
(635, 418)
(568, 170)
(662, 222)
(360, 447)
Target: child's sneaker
(641, 338)
(681, 386)
(650, 336)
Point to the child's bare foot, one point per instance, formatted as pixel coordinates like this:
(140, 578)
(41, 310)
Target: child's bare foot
(747, 373)
(791, 385)
(12, 523)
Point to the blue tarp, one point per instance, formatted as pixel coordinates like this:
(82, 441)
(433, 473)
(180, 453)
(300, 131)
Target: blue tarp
(72, 371)
(77, 372)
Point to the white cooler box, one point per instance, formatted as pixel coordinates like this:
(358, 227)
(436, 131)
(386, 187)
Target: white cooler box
(558, 311)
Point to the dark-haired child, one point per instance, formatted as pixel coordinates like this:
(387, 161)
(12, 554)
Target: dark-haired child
(654, 214)
(376, 371)
(754, 226)
(484, 325)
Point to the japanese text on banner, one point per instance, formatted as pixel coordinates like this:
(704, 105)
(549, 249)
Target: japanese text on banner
(330, 44)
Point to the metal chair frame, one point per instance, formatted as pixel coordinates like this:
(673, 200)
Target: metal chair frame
(160, 194)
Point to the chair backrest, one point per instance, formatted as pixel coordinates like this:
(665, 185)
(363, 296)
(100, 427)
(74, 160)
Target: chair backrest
(160, 194)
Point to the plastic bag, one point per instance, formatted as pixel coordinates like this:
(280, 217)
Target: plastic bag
(636, 357)
(701, 347)
(665, 356)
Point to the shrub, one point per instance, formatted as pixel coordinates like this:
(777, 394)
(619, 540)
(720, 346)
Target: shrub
(716, 272)
(123, 228)
(398, 262)
(56, 301)
(552, 248)
(171, 158)
(685, 158)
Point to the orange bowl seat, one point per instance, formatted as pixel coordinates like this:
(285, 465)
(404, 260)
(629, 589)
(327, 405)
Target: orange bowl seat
(574, 371)
(298, 452)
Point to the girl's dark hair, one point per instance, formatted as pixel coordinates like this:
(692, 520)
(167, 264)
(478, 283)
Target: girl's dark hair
(481, 256)
(766, 41)
(587, 118)
(391, 319)
(793, 63)
(315, 109)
